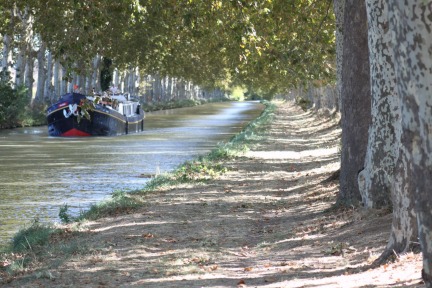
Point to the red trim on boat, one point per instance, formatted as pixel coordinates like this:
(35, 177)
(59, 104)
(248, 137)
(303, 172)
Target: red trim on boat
(75, 133)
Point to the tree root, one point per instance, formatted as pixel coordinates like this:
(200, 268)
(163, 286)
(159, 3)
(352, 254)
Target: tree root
(392, 253)
(334, 177)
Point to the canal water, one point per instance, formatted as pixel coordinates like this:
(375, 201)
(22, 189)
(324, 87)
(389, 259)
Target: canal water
(39, 174)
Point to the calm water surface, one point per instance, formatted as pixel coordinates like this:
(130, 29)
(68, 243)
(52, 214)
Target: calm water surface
(39, 174)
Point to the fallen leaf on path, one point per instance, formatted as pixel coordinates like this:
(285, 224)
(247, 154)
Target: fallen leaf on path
(213, 268)
(148, 235)
(170, 240)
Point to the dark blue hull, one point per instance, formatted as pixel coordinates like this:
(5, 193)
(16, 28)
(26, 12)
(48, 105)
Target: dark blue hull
(104, 121)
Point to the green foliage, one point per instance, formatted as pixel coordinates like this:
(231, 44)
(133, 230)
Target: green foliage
(159, 181)
(198, 170)
(34, 115)
(28, 239)
(120, 202)
(86, 106)
(13, 103)
(238, 93)
(63, 214)
(106, 74)
(265, 45)
(32, 244)
(253, 96)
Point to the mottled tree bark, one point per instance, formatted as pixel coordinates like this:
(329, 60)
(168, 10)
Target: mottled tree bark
(412, 27)
(385, 130)
(355, 96)
(386, 163)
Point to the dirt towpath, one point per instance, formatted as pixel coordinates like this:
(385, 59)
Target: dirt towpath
(265, 223)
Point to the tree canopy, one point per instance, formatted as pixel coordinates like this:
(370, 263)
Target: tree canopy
(264, 45)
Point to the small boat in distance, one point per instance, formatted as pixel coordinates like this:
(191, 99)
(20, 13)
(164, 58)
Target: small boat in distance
(110, 115)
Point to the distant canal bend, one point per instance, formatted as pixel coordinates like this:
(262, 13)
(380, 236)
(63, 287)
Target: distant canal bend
(39, 174)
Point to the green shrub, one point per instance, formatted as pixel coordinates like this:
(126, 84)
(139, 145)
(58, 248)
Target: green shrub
(28, 239)
(13, 102)
(198, 170)
(34, 115)
(120, 203)
(63, 214)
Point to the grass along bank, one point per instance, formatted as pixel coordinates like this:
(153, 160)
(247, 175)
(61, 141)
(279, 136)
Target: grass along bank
(33, 244)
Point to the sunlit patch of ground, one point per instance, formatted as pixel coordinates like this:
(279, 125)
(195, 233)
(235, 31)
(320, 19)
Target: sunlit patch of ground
(265, 223)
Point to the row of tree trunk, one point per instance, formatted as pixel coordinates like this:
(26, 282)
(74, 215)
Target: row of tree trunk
(46, 79)
(385, 54)
(383, 93)
(323, 99)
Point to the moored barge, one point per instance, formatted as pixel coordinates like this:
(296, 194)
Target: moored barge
(110, 116)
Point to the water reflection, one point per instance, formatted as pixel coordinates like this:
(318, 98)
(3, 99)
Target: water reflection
(39, 173)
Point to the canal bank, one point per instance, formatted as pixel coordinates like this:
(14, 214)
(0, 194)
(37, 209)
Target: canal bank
(41, 174)
(266, 222)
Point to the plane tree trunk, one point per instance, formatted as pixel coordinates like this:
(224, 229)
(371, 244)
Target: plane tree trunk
(355, 100)
(385, 182)
(42, 73)
(412, 22)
